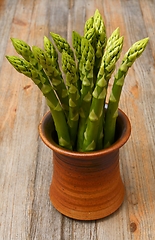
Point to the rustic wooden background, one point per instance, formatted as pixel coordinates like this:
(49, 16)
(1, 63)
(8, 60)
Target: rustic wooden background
(25, 162)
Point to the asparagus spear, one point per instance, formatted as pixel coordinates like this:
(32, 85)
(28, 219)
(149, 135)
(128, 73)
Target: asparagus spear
(114, 36)
(69, 68)
(86, 75)
(43, 83)
(76, 42)
(50, 65)
(51, 51)
(112, 112)
(109, 68)
(23, 49)
(96, 22)
(62, 44)
(90, 35)
(101, 38)
(88, 24)
(94, 122)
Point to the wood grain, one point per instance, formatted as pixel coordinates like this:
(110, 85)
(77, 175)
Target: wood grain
(25, 162)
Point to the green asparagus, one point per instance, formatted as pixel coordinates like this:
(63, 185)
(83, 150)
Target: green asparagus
(112, 112)
(51, 51)
(76, 42)
(69, 68)
(109, 69)
(62, 44)
(101, 38)
(86, 75)
(23, 49)
(53, 72)
(27, 69)
(95, 121)
(77, 103)
(89, 24)
(90, 35)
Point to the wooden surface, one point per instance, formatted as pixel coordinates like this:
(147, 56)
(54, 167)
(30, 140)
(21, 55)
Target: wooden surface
(25, 162)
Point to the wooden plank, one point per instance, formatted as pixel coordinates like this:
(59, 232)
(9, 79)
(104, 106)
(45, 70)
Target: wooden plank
(6, 13)
(138, 157)
(19, 121)
(26, 163)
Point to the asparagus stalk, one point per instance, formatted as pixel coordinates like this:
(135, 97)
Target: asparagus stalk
(23, 49)
(69, 68)
(90, 35)
(86, 75)
(94, 122)
(109, 69)
(112, 112)
(51, 51)
(62, 44)
(96, 59)
(114, 36)
(44, 85)
(50, 65)
(88, 24)
(101, 38)
(76, 42)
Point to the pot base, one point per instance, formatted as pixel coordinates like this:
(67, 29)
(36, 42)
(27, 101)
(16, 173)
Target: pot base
(86, 215)
(86, 193)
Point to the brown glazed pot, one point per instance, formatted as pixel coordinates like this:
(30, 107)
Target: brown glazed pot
(86, 186)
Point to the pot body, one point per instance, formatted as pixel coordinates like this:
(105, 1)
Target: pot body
(86, 186)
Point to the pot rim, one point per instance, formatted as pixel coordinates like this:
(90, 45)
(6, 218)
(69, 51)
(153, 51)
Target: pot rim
(49, 142)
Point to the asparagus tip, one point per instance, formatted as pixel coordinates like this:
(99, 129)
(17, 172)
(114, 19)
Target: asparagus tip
(13, 40)
(146, 40)
(53, 34)
(9, 58)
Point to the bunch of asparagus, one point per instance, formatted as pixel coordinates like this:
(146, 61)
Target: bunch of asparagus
(77, 104)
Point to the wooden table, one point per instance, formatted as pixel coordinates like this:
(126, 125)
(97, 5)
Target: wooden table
(25, 162)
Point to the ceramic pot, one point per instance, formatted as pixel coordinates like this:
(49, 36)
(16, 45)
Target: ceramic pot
(86, 186)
